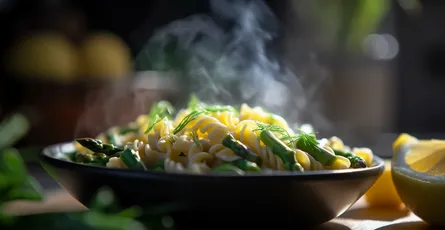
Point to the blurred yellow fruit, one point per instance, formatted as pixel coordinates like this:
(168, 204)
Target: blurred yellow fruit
(419, 176)
(383, 193)
(402, 140)
(104, 55)
(47, 55)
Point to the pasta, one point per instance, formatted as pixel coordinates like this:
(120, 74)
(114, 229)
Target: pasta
(206, 138)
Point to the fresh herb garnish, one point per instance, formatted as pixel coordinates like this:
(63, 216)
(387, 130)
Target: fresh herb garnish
(195, 138)
(275, 129)
(159, 111)
(194, 114)
(187, 119)
(172, 139)
(219, 108)
(309, 139)
(193, 102)
(152, 123)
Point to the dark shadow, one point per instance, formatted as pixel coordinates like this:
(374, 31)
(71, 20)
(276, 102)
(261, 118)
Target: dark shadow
(332, 226)
(383, 214)
(416, 225)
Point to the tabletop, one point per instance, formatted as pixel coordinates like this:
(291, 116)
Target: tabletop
(358, 217)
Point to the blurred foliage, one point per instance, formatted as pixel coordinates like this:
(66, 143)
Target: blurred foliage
(104, 214)
(349, 21)
(15, 183)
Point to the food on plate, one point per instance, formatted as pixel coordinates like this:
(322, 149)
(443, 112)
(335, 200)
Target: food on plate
(418, 171)
(204, 138)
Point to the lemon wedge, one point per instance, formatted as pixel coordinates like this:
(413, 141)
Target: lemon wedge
(418, 171)
(383, 193)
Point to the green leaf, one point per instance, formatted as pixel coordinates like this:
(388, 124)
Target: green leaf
(110, 221)
(153, 122)
(186, 120)
(133, 212)
(12, 166)
(103, 200)
(30, 190)
(13, 129)
(193, 102)
(195, 139)
(159, 111)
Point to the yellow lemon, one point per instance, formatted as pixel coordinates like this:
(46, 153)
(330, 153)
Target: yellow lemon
(45, 55)
(418, 171)
(383, 193)
(104, 55)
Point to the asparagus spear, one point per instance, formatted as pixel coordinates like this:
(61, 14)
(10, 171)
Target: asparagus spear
(128, 156)
(91, 158)
(309, 144)
(356, 161)
(286, 154)
(228, 168)
(240, 149)
(97, 146)
(246, 165)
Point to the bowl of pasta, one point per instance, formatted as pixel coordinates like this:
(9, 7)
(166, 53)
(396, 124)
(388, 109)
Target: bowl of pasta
(218, 163)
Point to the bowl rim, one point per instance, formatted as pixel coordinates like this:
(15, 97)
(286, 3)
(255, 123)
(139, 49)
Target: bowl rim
(47, 156)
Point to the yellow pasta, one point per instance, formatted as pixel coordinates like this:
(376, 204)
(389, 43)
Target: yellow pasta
(206, 138)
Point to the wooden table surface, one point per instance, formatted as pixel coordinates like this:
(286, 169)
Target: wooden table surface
(358, 217)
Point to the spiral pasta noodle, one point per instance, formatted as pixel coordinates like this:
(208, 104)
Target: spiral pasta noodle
(203, 139)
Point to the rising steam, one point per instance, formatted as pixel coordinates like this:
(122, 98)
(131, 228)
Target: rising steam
(228, 57)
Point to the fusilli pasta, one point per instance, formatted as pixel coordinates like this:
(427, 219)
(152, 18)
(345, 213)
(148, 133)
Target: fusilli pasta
(199, 140)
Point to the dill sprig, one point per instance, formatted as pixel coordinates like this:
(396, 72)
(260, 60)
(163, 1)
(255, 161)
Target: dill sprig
(194, 114)
(152, 123)
(274, 129)
(195, 138)
(159, 111)
(193, 103)
(187, 119)
(219, 108)
(172, 139)
(309, 139)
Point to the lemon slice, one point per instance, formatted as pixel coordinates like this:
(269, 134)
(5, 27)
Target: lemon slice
(383, 193)
(418, 171)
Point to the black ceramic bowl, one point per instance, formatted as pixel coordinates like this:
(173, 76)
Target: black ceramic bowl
(306, 199)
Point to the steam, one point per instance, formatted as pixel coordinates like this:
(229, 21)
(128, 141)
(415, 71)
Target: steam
(228, 57)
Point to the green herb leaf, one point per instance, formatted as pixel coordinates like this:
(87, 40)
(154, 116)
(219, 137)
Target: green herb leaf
(13, 167)
(162, 109)
(219, 108)
(153, 122)
(186, 120)
(308, 139)
(195, 138)
(13, 129)
(193, 102)
(29, 190)
(274, 129)
(159, 111)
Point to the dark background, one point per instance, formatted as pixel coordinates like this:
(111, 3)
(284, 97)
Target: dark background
(418, 70)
